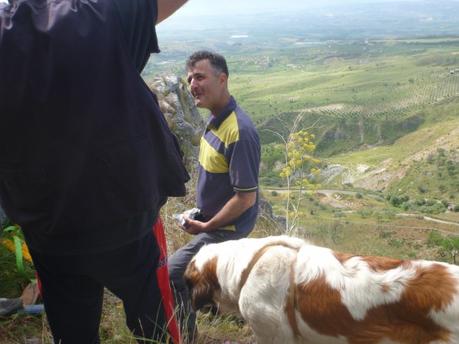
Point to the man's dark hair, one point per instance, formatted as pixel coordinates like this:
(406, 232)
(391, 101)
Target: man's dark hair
(217, 61)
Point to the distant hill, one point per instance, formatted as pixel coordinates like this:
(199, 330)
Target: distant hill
(322, 20)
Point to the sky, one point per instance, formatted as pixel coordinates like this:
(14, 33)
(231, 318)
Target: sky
(197, 10)
(199, 13)
(200, 7)
(212, 6)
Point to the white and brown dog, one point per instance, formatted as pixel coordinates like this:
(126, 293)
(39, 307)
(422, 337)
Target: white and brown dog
(290, 291)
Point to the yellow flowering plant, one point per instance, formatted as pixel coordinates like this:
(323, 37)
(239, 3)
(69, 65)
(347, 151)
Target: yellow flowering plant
(299, 166)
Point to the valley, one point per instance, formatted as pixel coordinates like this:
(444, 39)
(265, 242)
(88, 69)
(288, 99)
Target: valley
(385, 115)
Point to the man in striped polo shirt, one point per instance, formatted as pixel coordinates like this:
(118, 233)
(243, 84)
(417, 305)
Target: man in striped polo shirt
(227, 188)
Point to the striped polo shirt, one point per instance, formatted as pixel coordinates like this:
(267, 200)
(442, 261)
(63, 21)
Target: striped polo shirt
(229, 160)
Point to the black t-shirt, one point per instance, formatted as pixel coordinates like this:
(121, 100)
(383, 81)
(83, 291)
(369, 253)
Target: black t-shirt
(86, 157)
(138, 18)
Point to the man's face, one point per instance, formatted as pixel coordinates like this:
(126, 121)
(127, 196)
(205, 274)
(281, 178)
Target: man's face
(206, 85)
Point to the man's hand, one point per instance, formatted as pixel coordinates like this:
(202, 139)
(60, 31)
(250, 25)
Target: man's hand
(234, 208)
(194, 226)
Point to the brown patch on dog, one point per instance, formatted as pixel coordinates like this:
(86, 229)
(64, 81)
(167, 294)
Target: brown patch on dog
(245, 274)
(375, 263)
(321, 308)
(290, 304)
(342, 257)
(383, 263)
(406, 321)
(202, 284)
(433, 287)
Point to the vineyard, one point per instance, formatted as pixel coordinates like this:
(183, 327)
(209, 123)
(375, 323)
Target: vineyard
(380, 90)
(427, 89)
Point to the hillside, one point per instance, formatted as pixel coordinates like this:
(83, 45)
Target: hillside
(377, 167)
(374, 112)
(352, 93)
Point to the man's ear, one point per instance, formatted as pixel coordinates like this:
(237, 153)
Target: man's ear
(223, 78)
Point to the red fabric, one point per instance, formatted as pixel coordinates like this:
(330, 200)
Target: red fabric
(162, 274)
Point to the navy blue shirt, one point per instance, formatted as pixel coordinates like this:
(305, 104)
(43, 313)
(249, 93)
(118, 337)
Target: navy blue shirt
(229, 160)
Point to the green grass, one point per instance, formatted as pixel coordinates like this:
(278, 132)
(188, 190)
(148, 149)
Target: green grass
(368, 225)
(15, 328)
(436, 177)
(12, 281)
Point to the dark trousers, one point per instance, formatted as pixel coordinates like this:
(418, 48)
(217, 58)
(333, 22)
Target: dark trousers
(73, 288)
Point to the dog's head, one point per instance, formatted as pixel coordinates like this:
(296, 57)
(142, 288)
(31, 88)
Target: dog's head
(203, 283)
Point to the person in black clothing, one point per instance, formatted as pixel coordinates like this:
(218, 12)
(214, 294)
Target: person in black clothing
(3, 219)
(86, 156)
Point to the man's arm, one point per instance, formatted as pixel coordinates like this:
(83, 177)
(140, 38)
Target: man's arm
(234, 208)
(167, 8)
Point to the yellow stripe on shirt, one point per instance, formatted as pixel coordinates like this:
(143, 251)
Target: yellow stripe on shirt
(210, 159)
(228, 131)
(229, 228)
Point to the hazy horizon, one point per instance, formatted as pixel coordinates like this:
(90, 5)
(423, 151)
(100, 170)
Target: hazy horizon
(200, 7)
(196, 8)
(327, 18)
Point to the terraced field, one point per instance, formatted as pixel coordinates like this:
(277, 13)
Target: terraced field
(361, 87)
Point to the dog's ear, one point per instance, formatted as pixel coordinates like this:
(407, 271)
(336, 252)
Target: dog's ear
(202, 284)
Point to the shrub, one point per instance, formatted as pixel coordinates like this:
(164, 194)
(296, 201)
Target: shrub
(420, 201)
(396, 243)
(441, 152)
(442, 188)
(397, 201)
(430, 202)
(365, 213)
(422, 189)
(450, 244)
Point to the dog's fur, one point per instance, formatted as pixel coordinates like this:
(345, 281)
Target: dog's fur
(290, 291)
